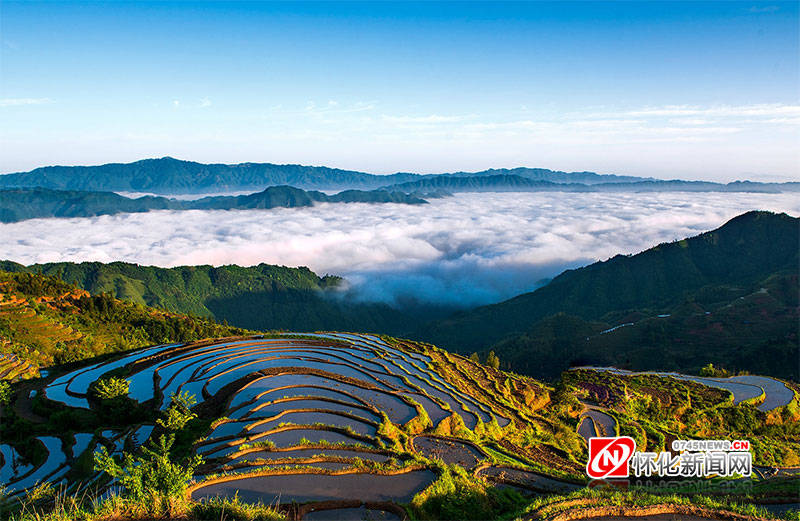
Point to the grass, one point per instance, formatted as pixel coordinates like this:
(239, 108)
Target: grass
(56, 504)
(545, 506)
(232, 509)
(456, 494)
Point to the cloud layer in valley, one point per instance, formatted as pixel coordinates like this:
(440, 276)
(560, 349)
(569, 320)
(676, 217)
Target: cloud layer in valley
(464, 250)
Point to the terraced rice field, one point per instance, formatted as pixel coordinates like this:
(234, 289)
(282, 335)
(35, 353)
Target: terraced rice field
(452, 452)
(527, 480)
(776, 393)
(300, 418)
(341, 424)
(349, 514)
(12, 368)
(302, 488)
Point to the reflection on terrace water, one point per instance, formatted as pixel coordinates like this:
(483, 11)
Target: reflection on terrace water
(321, 487)
(331, 389)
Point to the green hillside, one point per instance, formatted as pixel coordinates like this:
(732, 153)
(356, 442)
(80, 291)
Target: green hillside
(259, 297)
(45, 321)
(753, 331)
(721, 272)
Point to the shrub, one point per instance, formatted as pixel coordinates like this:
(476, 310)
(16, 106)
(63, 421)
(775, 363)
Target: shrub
(110, 388)
(710, 370)
(492, 360)
(179, 412)
(151, 476)
(459, 495)
(5, 392)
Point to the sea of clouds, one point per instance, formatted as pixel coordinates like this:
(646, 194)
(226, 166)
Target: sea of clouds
(464, 250)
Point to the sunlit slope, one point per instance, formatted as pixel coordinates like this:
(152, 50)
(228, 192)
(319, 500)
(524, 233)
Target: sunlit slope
(45, 321)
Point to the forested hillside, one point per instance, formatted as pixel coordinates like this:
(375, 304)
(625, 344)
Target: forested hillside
(735, 286)
(257, 297)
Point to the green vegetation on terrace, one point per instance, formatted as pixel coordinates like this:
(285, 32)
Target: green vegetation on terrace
(676, 306)
(262, 297)
(655, 410)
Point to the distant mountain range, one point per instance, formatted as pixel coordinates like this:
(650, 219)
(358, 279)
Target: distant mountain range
(729, 296)
(172, 176)
(30, 203)
(517, 183)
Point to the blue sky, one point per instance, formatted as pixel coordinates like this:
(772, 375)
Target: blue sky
(686, 90)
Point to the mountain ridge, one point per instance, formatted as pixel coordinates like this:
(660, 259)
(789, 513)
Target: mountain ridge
(515, 183)
(168, 175)
(29, 203)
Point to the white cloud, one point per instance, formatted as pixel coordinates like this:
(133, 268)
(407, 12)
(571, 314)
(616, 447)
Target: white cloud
(330, 108)
(431, 119)
(19, 102)
(764, 110)
(205, 102)
(465, 250)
